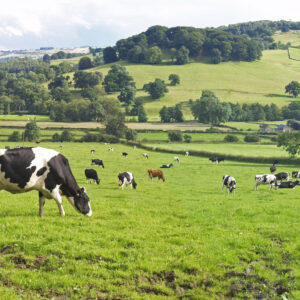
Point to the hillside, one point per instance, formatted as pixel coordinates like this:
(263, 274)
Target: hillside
(261, 81)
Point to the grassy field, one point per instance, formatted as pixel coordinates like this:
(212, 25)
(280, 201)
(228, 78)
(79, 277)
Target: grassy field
(261, 81)
(24, 118)
(295, 53)
(183, 238)
(293, 36)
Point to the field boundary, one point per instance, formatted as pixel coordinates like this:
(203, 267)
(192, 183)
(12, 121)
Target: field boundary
(257, 159)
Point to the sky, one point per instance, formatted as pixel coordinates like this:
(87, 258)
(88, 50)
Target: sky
(31, 24)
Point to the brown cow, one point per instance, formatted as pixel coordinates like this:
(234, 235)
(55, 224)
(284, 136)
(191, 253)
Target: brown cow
(156, 173)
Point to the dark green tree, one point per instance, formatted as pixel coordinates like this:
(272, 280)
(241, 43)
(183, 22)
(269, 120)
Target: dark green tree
(86, 79)
(290, 142)
(182, 55)
(142, 117)
(127, 94)
(14, 137)
(230, 138)
(85, 63)
(174, 79)
(175, 135)
(293, 88)
(67, 136)
(109, 55)
(56, 137)
(32, 131)
(115, 125)
(156, 89)
(131, 135)
(153, 56)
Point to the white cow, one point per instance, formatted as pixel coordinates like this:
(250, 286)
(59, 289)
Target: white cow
(265, 179)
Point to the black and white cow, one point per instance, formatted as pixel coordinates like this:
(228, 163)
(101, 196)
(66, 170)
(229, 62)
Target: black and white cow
(98, 162)
(166, 166)
(229, 182)
(111, 149)
(44, 170)
(288, 184)
(93, 151)
(216, 159)
(176, 158)
(296, 174)
(187, 153)
(126, 178)
(91, 174)
(145, 155)
(283, 175)
(273, 169)
(124, 154)
(265, 179)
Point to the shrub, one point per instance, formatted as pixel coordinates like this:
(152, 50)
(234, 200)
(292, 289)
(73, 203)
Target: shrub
(251, 138)
(56, 137)
(187, 138)
(229, 138)
(175, 136)
(131, 135)
(67, 136)
(14, 137)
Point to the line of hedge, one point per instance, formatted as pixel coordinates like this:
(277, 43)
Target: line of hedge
(253, 159)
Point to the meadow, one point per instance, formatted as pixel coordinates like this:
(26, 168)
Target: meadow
(183, 238)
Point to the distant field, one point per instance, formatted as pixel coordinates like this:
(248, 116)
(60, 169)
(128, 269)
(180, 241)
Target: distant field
(260, 81)
(184, 238)
(295, 53)
(24, 118)
(293, 36)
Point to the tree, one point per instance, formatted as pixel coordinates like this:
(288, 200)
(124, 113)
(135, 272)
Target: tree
(187, 138)
(290, 142)
(131, 135)
(182, 55)
(127, 94)
(66, 136)
(153, 55)
(251, 138)
(175, 136)
(109, 55)
(116, 79)
(96, 111)
(56, 137)
(14, 137)
(174, 78)
(32, 131)
(142, 117)
(85, 63)
(230, 138)
(178, 115)
(86, 79)
(208, 109)
(216, 56)
(115, 125)
(156, 89)
(293, 88)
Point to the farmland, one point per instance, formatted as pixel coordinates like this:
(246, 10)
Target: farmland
(182, 238)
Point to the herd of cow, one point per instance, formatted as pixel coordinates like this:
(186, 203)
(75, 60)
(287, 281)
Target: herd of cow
(48, 172)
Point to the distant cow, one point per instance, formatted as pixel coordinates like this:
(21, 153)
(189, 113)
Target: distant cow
(111, 149)
(93, 151)
(283, 175)
(288, 184)
(216, 159)
(296, 174)
(265, 179)
(229, 182)
(98, 162)
(126, 178)
(176, 158)
(145, 155)
(124, 154)
(166, 166)
(91, 174)
(156, 173)
(187, 153)
(273, 169)
(44, 170)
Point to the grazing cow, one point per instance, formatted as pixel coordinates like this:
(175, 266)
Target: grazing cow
(276, 162)
(166, 166)
(273, 169)
(91, 174)
(7, 147)
(126, 178)
(98, 162)
(37, 142)
(187, 153)
(265, 179)
(283, 175)
(220, 159)
(288, 184)
(296, 174)
(93, 151)
(216, 159)
(156, 173)
(44, 170)
(230, 183)
(176, 158)
(145, 155)
(124, 154)
(111, 149)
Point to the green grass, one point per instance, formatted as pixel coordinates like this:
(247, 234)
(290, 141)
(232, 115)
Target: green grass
(293, 36)
(295, 53)
(184, 238)
(24, 118)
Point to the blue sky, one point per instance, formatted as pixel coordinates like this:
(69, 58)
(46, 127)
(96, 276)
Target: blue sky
(30, 24)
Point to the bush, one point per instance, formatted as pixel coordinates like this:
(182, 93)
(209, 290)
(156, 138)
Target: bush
(66, 136)
(14, 137)
(56, 137)
(213, 130)
(131, 135)
(274, 139)
(175, 136)
(99, 137)
(251, 138)
(187, 138)
(229, 138)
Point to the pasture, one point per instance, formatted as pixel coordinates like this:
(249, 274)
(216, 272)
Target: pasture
(183, 238)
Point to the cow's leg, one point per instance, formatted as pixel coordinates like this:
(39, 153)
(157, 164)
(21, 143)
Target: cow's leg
(56, 195)
(223, 186)
(42, 199)
(255, 186)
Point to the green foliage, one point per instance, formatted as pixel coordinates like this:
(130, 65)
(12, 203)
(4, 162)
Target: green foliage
(115, 125)
(109, 55)
(187, 138)
(230, 138)
(67, 136)
(251, 138)
(174, 79)
(56, 137)
(171, 114)
(175, 135)
(127, 94)
(182, 56)
(293, 88)
(290, 142)
(131, 135)
(85, 63)
(116, 79)
(32, 131)
(14, 137)
(142, 116)
(208, 109)
(87, 79)
(153, 56)
(156, 89)
(99, 137)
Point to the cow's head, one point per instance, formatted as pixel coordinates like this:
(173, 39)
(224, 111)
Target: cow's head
(82, 202)
(232, 187)
(134, 184)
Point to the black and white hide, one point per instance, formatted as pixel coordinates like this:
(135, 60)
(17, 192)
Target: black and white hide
(91, 175)
(167, 166)
(230, 183)
(269, 179)
(283, 176)
(126, 178)
(98, 162)
(296, 174)
(45, 170)
(288, 184)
